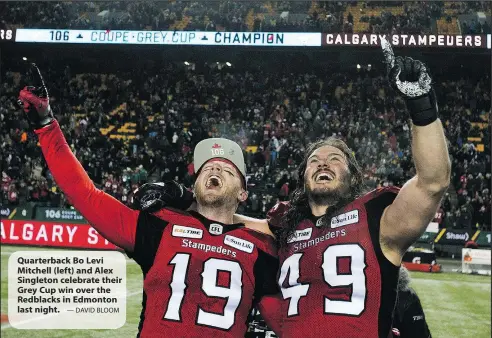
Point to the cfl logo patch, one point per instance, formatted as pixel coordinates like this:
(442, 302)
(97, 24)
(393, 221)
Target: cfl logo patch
(216, 229)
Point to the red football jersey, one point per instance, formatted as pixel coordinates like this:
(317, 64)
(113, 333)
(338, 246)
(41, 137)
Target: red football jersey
(335, 280)
(201, 278)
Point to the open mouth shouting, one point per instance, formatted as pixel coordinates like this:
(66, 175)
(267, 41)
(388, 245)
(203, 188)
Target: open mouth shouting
(213, 182)
(324, 176)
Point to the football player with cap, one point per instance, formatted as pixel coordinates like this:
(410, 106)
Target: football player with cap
(213, 154)
(202, 273)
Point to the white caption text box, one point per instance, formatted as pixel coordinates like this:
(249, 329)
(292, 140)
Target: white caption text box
(67, 289)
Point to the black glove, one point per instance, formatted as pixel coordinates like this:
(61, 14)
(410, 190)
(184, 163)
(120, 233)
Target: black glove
(411, 79)
(34, 100)
(152, 197)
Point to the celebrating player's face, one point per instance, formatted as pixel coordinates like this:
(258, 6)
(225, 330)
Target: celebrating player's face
(218, 183)
(327, 175)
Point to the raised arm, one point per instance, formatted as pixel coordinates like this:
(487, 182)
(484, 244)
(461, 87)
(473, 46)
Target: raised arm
(116, 222)
(407, 217)
(405, 220)
(112, 219)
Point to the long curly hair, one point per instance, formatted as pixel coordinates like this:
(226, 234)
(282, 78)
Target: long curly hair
(299, 202)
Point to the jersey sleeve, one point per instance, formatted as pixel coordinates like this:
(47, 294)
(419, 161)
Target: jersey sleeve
(376, 202)
(112, 219)
(266, 266)
(270, 310)
(383, 197)
(265, 271)
(266, 288)
(275, 215)
(150, 230)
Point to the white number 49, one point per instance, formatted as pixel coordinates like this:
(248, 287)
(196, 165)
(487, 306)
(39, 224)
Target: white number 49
(357, 279)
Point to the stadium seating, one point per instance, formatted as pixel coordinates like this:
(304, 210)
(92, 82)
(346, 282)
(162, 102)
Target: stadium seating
(435, 17)
(158, 130)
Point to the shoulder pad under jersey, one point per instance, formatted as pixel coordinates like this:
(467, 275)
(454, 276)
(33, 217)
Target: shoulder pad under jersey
(376, 193)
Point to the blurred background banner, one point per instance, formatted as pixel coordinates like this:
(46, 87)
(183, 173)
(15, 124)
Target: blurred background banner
(279, 39)
(483, 239)
(23, 211)
(52, 234)
(454, 237)
(59, 215)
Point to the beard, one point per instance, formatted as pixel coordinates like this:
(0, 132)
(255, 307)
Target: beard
(330, 195)
(208, 200)
(214, 200)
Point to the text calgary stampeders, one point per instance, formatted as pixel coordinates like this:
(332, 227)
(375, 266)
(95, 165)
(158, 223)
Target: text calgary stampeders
(406, 40)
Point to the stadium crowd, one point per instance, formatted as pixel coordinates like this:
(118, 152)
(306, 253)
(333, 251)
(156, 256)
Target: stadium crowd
(279, 16)
(276, 113)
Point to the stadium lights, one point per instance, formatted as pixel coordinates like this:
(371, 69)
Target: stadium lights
(228, 64)
(24, 58)
(358, 66)
(186, 63)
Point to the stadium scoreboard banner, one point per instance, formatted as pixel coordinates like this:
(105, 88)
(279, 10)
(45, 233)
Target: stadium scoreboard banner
(59, 214)
(482, 238)
(168, 37)
(409, 40)
(454, 236)
(255, 39)
(23, 211)
(427, 237)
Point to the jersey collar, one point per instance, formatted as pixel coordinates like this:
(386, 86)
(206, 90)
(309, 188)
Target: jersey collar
(214, 227)
(316, 220)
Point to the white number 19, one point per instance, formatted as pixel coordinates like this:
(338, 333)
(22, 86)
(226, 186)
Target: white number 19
(210, 273)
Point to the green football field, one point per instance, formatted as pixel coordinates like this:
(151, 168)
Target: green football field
(456, 305)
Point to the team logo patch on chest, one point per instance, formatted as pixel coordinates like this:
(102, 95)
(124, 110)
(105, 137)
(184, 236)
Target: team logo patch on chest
(188, 232)
(239, 243)
(347, 218)
(216, 229)
(301, 235)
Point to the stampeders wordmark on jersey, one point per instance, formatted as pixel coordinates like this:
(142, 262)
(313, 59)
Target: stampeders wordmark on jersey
(335, 280)
(201, 278)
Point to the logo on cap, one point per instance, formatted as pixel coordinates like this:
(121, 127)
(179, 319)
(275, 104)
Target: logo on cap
(216, 145)
(231, 152)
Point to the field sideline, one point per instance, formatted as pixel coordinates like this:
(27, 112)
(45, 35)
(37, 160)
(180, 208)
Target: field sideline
(456, 305)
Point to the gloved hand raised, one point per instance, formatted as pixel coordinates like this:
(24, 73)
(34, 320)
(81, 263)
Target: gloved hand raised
(34, 99)
(411, 79)
(152, 197)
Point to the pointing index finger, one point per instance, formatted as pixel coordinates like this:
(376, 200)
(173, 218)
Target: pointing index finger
(388, 52)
